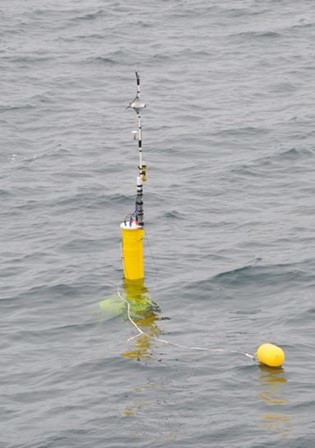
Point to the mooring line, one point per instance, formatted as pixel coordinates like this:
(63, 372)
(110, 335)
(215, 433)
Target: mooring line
(164, 341)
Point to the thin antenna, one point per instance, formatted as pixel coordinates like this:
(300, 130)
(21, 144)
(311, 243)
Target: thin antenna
(137, 105)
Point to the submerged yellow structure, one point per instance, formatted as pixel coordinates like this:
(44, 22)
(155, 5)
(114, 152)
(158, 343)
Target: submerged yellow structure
(133, 225)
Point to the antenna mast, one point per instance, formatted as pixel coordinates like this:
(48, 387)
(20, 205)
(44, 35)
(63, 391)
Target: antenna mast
(137, 105)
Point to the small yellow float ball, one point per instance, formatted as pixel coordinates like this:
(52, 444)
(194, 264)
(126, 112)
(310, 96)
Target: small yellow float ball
(270, 355)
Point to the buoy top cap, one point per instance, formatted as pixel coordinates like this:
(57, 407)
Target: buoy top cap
(130, 225)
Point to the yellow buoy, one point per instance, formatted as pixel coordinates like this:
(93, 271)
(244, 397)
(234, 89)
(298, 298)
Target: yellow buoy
(270, 355)
(132, 247)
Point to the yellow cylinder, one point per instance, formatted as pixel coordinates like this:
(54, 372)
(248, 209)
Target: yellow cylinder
(132, 250)
(270, 355)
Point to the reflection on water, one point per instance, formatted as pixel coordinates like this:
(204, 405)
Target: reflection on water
(273, 393)
(277, 422)
(141, 391)
(132, 410)
(272, 380)
(139, 413)
(144, 313)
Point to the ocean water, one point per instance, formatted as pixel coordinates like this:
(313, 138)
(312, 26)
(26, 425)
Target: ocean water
(229, 140)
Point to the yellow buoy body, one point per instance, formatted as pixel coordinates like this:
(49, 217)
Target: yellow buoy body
(270, 355)
(132, 250)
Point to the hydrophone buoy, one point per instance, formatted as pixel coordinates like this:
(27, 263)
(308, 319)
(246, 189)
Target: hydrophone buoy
(271, 355)
(132, 229)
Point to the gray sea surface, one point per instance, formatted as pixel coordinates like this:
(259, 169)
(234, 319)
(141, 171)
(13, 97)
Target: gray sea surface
(229, 140)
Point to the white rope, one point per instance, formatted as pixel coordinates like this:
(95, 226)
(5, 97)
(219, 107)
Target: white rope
(164, 341)
(130, 319)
